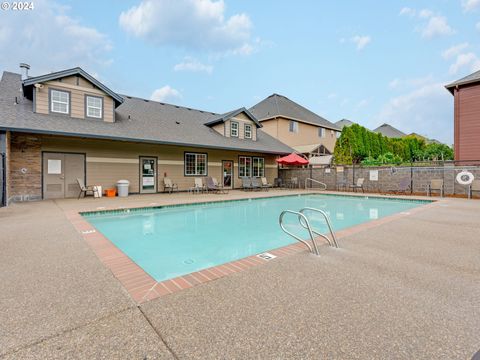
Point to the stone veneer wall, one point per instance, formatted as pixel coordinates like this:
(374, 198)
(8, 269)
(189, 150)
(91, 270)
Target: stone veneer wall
(388, 178)
(24, 176)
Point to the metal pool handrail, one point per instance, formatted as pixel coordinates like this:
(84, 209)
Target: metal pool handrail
(315, 181)
(333, 241)
(303, 217)
(305, 223)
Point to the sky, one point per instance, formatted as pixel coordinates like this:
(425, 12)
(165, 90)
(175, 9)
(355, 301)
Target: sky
(369, 61)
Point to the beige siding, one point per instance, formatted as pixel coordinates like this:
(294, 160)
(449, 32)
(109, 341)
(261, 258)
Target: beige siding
(77, 97)
(242, 120)
(307, 134)
(110, 161)
(220, 128)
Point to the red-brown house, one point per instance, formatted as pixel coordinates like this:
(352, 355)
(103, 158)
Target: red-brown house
(466, 92)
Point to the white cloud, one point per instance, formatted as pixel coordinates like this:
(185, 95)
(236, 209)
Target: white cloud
(477, 26)
(331, 96)
(454, 50)
(408, 11)
(398, 83)
(49, 39)
(468, 60)
(425, 13)
(166, 93)
(361, 41)
(425, 110)
(437, 26)
(195, 24)
(469, 5)
(193, 65)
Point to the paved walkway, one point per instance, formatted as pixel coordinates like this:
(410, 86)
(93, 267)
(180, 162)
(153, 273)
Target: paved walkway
(405, 289)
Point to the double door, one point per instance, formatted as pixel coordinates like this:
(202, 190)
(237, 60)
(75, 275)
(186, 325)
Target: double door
(60, 174)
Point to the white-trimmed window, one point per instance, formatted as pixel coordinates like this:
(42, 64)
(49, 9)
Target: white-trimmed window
(60, 101)
(94, 105)
(234, 129)
(248, 131)
(293, 126)
(195, 164)
(258, 167)
(244, 166)
(321, 132)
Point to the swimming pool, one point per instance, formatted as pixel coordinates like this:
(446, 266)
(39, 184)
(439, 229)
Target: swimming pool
(176, 240)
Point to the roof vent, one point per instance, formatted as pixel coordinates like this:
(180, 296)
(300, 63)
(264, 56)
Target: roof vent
(177, 122)
(24, 70)
(146, 100)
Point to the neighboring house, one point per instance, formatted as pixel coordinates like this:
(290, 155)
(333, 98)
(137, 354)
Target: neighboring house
(427, 140)
(344, 122)
(296, 126)
(66, 125)
(389, 131)
(466, 92)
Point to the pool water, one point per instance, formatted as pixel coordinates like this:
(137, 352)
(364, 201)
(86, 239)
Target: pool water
(172, 241)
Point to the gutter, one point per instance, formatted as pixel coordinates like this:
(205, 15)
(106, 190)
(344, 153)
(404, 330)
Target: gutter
(103, 137)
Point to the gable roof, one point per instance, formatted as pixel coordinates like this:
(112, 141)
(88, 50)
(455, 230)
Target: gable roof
(389, 131)
(226, 116)
(469, 79)
(279, 105)
(344, 122)
(71, 72)
(136, 119)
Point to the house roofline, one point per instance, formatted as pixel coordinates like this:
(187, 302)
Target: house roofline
(119, 138)
(299, 120)
(69, 72)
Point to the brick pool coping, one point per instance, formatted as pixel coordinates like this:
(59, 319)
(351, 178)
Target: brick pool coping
(142, 287)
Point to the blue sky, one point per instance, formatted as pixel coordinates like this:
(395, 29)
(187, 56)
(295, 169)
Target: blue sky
(368, 61)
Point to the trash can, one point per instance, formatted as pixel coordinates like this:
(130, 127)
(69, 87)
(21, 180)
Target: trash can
(122, 188)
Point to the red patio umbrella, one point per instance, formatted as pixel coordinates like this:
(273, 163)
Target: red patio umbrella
(292, 159)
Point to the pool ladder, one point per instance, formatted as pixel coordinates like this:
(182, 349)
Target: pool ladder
(303, 220)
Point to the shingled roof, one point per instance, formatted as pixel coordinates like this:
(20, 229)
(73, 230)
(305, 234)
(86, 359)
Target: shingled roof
(344, 122)
(136, 119)
(469, 79)
(279, 105)
(389, 131)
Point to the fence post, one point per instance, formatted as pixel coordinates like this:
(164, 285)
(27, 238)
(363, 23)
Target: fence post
(411, 177)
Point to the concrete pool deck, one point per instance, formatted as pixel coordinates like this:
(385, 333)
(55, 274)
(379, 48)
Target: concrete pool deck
(407, 288)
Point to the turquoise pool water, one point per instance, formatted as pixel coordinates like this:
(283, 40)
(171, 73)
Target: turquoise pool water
(171, 241)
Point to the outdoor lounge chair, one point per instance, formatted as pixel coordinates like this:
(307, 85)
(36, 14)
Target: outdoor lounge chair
(265, 184)
(473, 187)
(246, 183)
(256, 183)
(169, 186)
(198, 186)
(435, 185)
(342, 185)
(403, 186)
(219, 187)
(86, 189)
(358, 185)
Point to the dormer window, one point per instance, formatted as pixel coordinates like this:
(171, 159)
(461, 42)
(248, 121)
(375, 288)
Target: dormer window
(248, 131)
(94, 106)
(234, 129)
(59, 101)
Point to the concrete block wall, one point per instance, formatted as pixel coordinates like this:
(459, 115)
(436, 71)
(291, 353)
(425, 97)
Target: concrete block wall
(389, 178)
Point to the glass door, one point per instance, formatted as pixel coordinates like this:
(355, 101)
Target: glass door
(227, 171)
(148, 175)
